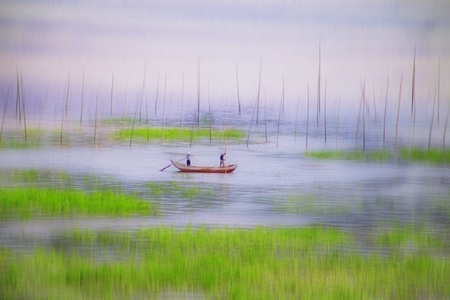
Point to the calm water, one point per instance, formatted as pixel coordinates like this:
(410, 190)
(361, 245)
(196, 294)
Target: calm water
(274, 184)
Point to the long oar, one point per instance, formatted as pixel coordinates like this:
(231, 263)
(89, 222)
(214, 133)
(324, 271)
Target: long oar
(171, 164)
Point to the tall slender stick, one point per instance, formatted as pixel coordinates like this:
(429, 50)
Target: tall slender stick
(280, 112)
(96, 118)
(445, 127)
(337, 122)
(296, 119)
(157, 94)
(64, 111)
(164, 108)
(143, 90)
(363, 117)
(182, 105)
(237, 86)
(318, 89)
(18, 105)
(132, 126)
(359, 119)
(112, 92)
(325, 112)
(413, 96)
(251, 123)
(4, 114)
(259, 91)
(82, 100)
(375, 107)
(307, 119)
(398, 110)
(265, 115)
(385, 112)
(432, 120)
(23, 108)
(438, 88)
(413, 83)
(198, 93)
(209, 116)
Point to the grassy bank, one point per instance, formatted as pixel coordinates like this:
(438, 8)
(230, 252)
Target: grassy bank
(261, 263)
(174, 134)
(375, 155)
(51, 202)
(434, 155)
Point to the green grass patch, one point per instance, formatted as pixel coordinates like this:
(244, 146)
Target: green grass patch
(259, 263)
(375, 155)
(171, 133)
(43, 202)
(433, 155)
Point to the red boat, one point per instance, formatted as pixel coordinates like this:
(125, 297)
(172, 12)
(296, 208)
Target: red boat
(197, 169)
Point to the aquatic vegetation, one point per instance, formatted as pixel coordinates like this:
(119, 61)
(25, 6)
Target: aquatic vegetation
(374, 155)
(160, 189)
(31, 202)
(171, 133)
(259, 263)
(311, 204)
(433, 155)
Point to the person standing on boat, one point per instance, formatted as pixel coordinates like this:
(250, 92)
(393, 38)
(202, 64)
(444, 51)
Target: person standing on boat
(188, 159)
(222, 159)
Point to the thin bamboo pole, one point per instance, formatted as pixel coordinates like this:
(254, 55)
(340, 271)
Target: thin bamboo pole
(112, 93)
(198, 93)
(64, 111)
(307, 120)
(259, 91)
(157, 94)
(4, 114)
(445, 127)
(432, 119)
(23, 108)
(82, 100)
(18, 96)
(363, 117)
(164, 108)
(413, 96)
(237, 87)
(143, 91)
(398, 111)
(385, 112)
(325, 113)
(182, 106)
(96, 118)
(318, 89)
(296, 118)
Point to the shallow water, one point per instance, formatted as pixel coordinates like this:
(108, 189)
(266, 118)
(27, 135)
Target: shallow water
(275, 184)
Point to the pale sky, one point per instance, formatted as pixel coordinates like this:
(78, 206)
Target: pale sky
(359, 41)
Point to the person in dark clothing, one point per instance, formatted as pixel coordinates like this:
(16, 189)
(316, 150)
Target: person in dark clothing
(222, 159)
(188, 159)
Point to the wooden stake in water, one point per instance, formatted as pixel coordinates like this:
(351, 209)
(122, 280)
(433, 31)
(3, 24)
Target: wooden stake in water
(445, 127)
(259, 91)
(64, 111)
(398, 111)
(280, 112)
(363, 117)
(164, 108)
(318, 89)
(325, 113)
(112, 92)
(18, 104)
(96, 119)
(23, 108)
(198, 93)
(438, 89)
(385, 112)
(182, 105)
(432, 120)
(337, 122)
(157, 94)
(307, 119)
(4, 114)
(237, 86)
(413, 96)
(142, 91)
(82, 100)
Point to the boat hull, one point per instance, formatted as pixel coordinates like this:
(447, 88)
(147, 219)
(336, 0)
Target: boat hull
(197, 169)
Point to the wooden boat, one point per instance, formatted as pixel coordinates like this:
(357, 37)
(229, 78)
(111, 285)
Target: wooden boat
(197, 169)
